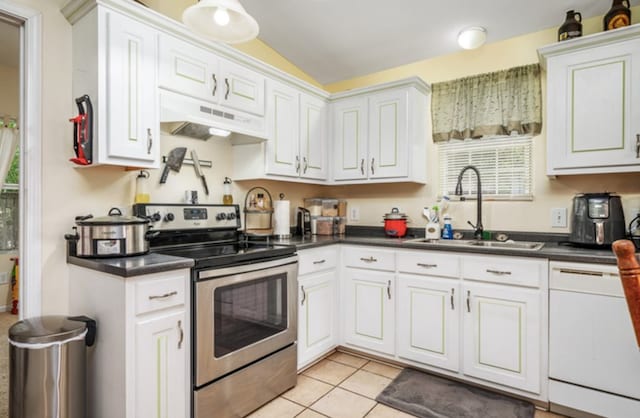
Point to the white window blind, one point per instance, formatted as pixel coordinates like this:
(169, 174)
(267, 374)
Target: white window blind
(505, 166)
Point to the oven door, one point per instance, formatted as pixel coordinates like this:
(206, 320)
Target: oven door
(242, 314)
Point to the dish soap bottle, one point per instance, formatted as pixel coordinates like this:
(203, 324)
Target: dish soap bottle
(142, 188)
(227, 198)
(447, 229)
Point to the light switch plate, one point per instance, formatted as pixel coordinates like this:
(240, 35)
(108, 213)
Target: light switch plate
(4, 277)
(354, 213)
(559, 217)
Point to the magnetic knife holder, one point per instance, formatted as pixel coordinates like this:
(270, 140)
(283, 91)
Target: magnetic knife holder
(189, 161)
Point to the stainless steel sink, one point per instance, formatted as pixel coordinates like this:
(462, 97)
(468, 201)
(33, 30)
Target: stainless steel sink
(508, 245)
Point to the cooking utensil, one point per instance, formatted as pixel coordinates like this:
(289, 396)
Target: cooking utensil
(174, 162)
(395, 223)
(83, 132)
(114, 235)
(199, 173)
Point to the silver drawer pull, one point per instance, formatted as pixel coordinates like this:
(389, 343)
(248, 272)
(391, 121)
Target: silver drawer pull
(499, 273)
(166, 295)
(469, 301)
(320, 262)
(369, 260)
(582, 272)
(427, 266)
(304, 296)
(389, 289)
(453, 307)
(181, 335)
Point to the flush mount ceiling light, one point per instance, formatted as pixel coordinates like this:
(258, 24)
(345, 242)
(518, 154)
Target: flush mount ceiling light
(472, 38)
(221, 20)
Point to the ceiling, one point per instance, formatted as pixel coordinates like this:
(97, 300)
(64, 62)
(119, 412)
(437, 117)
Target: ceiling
(9, 45)
(334, 40)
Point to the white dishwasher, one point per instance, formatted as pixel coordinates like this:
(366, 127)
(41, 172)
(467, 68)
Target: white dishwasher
(594, 362)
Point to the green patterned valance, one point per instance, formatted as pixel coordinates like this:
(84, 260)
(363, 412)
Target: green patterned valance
(497, 103)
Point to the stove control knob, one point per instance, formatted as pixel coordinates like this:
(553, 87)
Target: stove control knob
(156, 217)
(231, 216)
(169, 217)
(221, 216)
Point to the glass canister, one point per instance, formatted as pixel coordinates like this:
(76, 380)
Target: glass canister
(142, 188)
(618, 16)
(572, 26)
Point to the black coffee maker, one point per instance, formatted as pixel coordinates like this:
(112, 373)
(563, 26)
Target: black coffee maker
(303, 226)
(597, 220)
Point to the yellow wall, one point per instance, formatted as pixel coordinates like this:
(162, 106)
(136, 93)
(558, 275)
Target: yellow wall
(376, 200)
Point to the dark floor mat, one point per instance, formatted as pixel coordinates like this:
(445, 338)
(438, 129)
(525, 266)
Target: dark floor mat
(429, 396)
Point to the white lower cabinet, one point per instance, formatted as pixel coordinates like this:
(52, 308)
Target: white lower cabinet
(317, 303)
(502, 335)
(140, 362)
(429, 320)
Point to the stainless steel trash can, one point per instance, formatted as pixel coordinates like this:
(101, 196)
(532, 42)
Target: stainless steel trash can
(47, 371)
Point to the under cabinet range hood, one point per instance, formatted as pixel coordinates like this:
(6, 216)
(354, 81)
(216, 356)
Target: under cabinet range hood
(185, 116)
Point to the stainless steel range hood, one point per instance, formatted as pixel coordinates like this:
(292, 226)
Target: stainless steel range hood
(185, 116)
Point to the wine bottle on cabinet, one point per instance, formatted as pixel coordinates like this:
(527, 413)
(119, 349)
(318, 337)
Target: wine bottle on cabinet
(572, 26)
(618, 16)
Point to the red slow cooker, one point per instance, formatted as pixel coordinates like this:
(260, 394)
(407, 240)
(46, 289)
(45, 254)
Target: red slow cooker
(395, 224)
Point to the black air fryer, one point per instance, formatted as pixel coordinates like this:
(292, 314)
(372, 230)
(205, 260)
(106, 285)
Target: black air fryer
(597, 220)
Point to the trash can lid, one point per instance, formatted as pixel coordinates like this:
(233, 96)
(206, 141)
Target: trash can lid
(45, 329)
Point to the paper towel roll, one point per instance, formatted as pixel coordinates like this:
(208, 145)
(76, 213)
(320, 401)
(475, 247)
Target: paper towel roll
(282, 227)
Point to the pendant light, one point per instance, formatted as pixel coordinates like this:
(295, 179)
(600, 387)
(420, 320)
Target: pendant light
(221, 20)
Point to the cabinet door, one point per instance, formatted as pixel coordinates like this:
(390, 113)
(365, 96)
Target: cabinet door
(502, 334)
(428, 320)
(132, 97)
(160, 363)
(313, 137)
(316, 320)
(594, 111)
(369, 311)
(388, 134)
(241, 88)
(187, 69)
(350, 139)
(283, 130)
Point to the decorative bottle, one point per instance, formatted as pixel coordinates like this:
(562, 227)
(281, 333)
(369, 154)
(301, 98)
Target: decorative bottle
(618, 16)
(142, 188)
(572, 26)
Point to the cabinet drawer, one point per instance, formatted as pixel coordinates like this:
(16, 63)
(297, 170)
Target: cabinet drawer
(160, 293)
(429, 263)
(317, 259)
(369, 258)
(506, 270)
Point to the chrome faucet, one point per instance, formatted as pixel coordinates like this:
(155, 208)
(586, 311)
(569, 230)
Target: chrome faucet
(478, 226)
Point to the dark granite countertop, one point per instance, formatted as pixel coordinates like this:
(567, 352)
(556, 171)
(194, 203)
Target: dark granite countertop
(133, 266)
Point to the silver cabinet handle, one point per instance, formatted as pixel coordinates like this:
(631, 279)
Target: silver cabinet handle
(319, 262)
(499, 273)
(304, 296)
(637, 145)
(226, 82)
(373, 168)
(427, 266)
(305, 166)
(468, 300)
(362, 166)
(297, 164)
(389, 289)
(181, 335)
(166, 295)
(453, 307)
(582, 272)
(369, 260)
(149, 140)
(215, 84)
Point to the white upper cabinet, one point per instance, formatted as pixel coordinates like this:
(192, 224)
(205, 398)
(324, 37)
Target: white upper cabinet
(197, 72)
(114, 62)
(593, 109)
(283, 157)
(314, 144)
(380, 134)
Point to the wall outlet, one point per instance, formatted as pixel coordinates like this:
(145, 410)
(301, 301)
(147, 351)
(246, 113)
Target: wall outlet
(4, 277)
(559, 217)
(354, 213)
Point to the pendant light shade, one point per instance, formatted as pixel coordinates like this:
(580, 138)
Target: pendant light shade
(221, 20)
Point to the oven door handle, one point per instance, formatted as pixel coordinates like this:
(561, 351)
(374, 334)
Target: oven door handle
(304, 296)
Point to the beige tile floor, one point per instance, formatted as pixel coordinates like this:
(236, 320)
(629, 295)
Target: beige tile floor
(341, 386)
